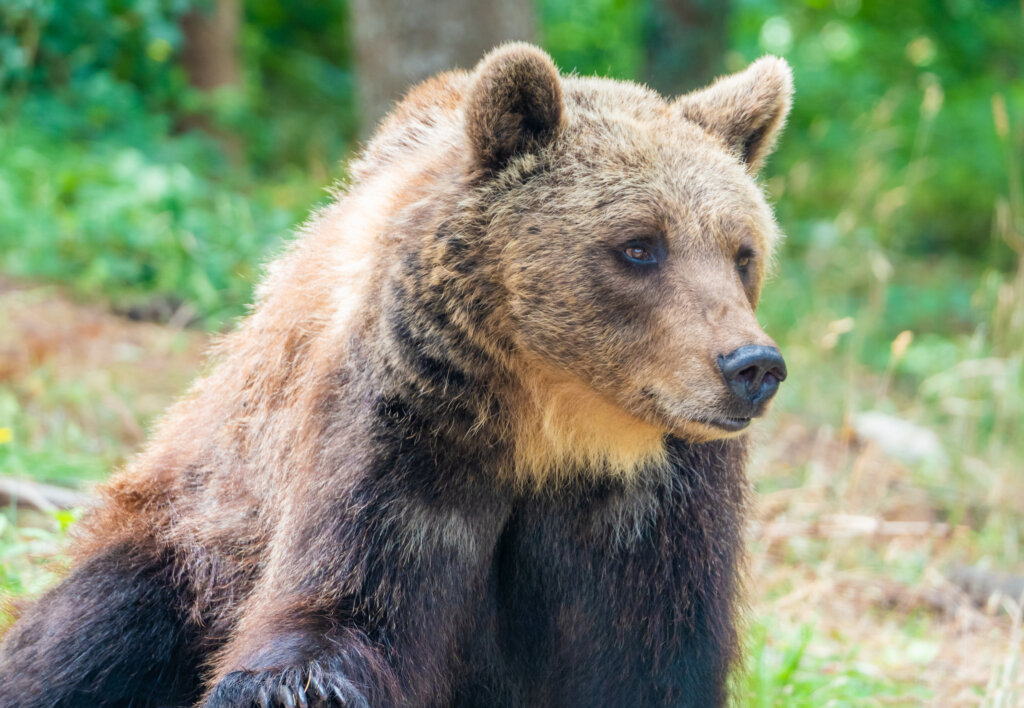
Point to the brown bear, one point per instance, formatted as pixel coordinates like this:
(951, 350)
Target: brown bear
(480, 441)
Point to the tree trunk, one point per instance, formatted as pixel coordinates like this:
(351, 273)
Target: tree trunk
(686, 42)
(400, 42)
(210, 54)
(210, 57)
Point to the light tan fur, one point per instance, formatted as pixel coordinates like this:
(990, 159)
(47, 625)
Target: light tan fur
(563, 424)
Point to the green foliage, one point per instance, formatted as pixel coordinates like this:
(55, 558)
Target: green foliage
(59, 46)
(299, 107)
(99, 188)
(92, 65)
(893, 115)
(600, 37)
(107, 217)
(891, 148)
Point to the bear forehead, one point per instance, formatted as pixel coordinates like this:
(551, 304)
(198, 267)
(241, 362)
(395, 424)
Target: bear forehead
(621, 130)
(604, 97)
(623, 108)
(627, 159)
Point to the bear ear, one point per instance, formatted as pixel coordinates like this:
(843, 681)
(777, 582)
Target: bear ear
(747, 109)
(514, 104)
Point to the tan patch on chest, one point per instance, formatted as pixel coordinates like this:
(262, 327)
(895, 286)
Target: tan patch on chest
(564, 428)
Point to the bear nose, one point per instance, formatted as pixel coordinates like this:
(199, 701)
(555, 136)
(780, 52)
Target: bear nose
(753, 372)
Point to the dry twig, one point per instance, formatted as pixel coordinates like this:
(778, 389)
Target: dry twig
(44, 497)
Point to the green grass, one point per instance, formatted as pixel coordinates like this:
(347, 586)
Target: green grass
(30, 558)
(783, 670)
(48, 441)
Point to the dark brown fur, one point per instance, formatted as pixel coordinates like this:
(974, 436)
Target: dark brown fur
(458, 454)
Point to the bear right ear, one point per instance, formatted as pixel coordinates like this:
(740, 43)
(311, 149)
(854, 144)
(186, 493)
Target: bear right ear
(747, 110)
(514, 104)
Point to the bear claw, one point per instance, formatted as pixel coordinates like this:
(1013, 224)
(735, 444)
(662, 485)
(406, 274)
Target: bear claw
(286, 697)
(318, 687)
(285, 689)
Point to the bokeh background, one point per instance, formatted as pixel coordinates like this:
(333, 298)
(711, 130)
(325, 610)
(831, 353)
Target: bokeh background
(154, 153)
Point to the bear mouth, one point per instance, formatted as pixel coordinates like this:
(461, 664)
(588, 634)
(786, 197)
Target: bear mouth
(731, 424)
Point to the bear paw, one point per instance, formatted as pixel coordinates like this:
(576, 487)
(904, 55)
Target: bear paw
(310, 687)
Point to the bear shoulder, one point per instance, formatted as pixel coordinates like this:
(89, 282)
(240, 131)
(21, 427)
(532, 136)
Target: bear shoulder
(427, 117)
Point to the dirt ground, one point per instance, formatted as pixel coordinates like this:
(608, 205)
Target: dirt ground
(840, 541)
(858, 553)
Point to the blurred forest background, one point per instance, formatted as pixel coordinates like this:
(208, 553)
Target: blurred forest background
(154, 153)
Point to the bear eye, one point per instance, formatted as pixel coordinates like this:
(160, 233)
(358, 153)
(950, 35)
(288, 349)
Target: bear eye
(638, 254)
(642, 254)
(743, 260)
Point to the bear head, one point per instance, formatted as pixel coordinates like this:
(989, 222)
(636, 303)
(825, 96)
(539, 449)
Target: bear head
(630, 241)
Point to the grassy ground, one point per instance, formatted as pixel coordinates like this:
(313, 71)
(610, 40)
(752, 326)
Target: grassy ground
(849, 600)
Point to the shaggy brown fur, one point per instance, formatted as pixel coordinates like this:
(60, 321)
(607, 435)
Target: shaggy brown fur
(461, 452)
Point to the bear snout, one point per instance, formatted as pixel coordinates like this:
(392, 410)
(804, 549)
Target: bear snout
(752, 374)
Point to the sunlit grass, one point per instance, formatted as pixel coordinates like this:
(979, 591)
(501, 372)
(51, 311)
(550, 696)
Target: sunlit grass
(793, 667)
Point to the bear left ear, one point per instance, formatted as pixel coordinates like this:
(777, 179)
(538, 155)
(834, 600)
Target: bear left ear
(514, 104)
(747, 109)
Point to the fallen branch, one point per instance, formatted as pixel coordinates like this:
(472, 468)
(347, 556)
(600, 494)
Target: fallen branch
(848, 526)
(44, 497)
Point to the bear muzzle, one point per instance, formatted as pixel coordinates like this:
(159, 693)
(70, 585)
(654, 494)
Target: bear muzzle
(752, 375)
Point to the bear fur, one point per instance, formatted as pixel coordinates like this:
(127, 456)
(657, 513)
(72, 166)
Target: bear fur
(463, 452)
